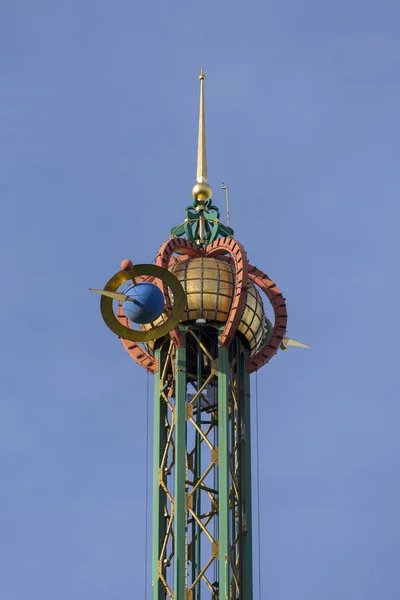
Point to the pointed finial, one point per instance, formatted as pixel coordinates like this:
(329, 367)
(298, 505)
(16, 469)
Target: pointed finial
(202, 191)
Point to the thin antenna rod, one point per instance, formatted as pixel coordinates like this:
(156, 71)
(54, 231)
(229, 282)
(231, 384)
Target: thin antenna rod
(201, 148)
(228, 214)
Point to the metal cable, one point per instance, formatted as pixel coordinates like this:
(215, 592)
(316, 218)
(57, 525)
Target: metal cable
(258, 493)
(146, 485)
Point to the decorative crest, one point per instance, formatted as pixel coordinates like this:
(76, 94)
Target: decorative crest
(202, 225)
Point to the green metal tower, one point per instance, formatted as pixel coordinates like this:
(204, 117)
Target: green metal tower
(202, 470)
(211, 335)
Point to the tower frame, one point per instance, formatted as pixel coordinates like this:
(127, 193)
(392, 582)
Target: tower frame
(202, 469)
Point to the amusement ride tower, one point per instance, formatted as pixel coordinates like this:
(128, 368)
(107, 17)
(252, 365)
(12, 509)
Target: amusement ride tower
(196, 321)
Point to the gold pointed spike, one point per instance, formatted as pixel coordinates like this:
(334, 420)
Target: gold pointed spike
(290, 342)
(113, 295)
(201, 147)
(202, 191)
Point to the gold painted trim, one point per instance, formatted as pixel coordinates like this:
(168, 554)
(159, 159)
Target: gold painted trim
(110, 319)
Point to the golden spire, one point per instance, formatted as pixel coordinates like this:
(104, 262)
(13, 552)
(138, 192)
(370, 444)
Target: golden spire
(202, 191)
(201, 147)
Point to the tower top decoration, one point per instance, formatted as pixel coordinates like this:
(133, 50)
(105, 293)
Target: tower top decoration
(197, 319)
(202, 224)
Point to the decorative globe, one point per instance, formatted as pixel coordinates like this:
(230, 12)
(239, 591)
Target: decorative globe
(148, 303)
(209, 284)
(209, 287)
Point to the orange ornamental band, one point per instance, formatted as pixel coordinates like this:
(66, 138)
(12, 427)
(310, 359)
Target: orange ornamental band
(231, 251)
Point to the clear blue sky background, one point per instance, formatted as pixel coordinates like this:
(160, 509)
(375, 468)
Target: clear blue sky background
(98, 126)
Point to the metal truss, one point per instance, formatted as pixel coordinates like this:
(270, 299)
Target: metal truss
(202, 464)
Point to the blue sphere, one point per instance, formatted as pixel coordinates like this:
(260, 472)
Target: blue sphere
(148, 305)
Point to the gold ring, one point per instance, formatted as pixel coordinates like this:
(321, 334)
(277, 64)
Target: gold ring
(107, 311)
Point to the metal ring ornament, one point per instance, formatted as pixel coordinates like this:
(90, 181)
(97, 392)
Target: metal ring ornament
(169, 279)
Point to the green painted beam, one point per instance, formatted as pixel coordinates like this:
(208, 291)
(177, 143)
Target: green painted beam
(197, 497)
(180, 477)
(247, 549)
(158, 494)
(223, 472)
(233, 357)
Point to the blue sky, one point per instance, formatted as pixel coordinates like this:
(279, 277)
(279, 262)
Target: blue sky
(98, 125)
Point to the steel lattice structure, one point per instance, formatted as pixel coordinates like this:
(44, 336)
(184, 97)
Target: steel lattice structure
(202, 466)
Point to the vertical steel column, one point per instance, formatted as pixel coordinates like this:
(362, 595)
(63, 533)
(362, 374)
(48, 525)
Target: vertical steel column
(233, 440)
(180, 500)
(197, 497)
(158, 493)
(223, 472)
(247, 550)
